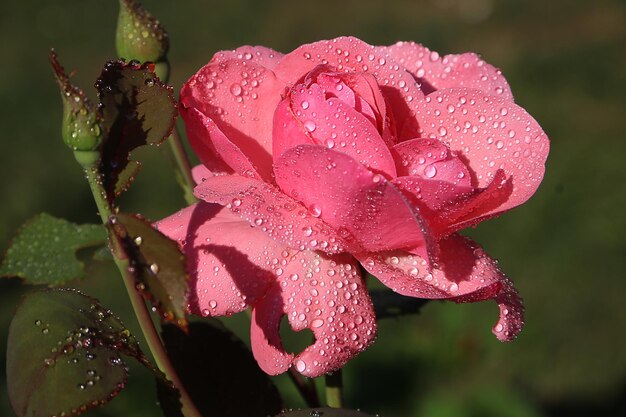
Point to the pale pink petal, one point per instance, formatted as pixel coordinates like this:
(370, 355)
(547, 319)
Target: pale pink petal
(455, 70)
(240, 97)
(350, 54)
(358, 203)
(489, 133)
(274, 213)
(213, 148)
(261, 55)
(335, 124)
(231, 264)
(200, 173)
(465, 273)
(325, 295)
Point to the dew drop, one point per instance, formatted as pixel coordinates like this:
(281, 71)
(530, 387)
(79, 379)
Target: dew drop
(309, 125)
(154, 268)
(317, 323)
(300, 365)
(430, 171)
(235, 89)
(315, 210)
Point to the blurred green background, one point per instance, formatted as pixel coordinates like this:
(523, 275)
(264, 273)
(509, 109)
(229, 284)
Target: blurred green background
(565, 249)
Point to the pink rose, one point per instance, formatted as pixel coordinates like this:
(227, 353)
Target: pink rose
(339, 154)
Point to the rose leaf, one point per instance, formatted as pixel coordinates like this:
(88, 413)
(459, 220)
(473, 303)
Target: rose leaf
(156, 262)
(64, 354)
(136, 109)
(44, 250)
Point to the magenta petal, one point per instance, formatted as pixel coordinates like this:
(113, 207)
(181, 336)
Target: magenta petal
(432, 160)
(261, 55)
(350, 54)
(213, 148)
(462, 70)
(335, 124)
(279, 216)
(489, 133)
(229, 262)
(465, 273)
(358, 203)
(288, 130)
(240, 97)
(430, 195)
(325, 295)
(473, 208)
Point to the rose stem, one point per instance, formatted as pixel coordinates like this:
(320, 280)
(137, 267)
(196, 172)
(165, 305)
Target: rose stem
(139, 306)
(334, 389)
(306, 388)
(183, 166)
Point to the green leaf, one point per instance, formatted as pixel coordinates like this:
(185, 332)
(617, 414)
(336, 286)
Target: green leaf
(157, 263)
(136, 109)
(324, 412)
(64, 354)
(219, 373)
(44, 250)
(389, 304)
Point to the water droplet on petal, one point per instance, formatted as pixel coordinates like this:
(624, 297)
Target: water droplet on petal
(310, 125)
(317, 323)
(235, 89)
(315, 210)
(430, 171)
(300, 365)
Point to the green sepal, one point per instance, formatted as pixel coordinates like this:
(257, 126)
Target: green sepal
(141, 37)
(81, 123)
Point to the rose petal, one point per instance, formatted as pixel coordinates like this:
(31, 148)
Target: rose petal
(288, 130)
(335, 124)
(473, 208)
(267, 347)
(200, 173)
(213, 148)
(358, 203)
(465, 274)
(231, 265)
(279, 216)
(325, 295)
(463, 70)
(240, 97)
(261, 55)
(350, 54)
(432, 160)
(430, 195)
(488, 133)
